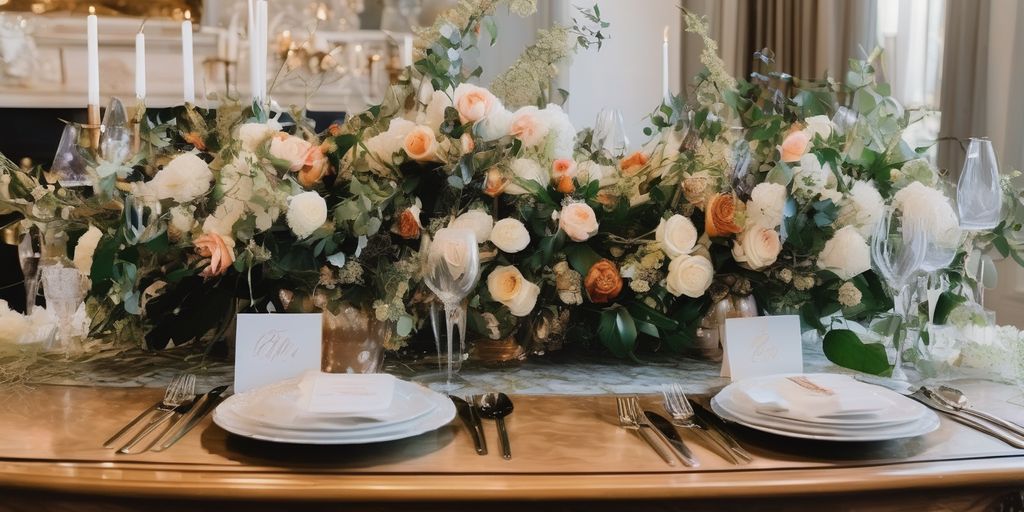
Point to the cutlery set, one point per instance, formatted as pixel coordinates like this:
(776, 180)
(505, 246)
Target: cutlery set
(493, 406)
(181, 406)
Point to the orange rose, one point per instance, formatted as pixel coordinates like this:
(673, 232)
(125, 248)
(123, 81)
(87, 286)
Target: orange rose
(408, 225)
(334, 130)
(794, 146)
(495, 182)
(194, 139)
(421, 144)
(213, 246)
(565, 185)
(720, 216)
(603, 282)
(632, 164)
(314, 168)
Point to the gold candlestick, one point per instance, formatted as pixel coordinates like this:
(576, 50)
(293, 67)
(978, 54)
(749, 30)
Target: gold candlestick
(93, 126)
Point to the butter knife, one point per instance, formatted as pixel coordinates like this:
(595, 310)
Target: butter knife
(467, 414)
(669, 433)
(713, 425)
(190, 419)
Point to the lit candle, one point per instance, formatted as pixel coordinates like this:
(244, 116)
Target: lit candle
(140, 65)
(187, 66)
(664, 66)
(406, 51)
(93, 58)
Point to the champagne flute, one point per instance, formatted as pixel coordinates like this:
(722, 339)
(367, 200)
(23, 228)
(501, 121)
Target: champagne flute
(452, 271)
(610, 133)
(979, 197)
(897, 251)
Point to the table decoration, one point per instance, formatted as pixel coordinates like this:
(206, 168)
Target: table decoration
(743, 187)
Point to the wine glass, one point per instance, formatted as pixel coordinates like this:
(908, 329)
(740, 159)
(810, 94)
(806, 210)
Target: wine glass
(897, 251)
(64, 288)
(610, 133)
(452, 271)
(978, 194)
(29, 254)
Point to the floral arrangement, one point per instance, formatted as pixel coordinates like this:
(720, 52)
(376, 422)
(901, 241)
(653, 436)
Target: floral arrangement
(744, 188)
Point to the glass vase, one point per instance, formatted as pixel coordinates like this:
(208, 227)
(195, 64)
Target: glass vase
(709, 335)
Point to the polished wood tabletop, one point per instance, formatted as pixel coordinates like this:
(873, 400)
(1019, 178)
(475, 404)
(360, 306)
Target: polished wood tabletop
(564, 447)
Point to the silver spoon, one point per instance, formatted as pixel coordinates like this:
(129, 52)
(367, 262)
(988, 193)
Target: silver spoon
(957, 400)
(495, 406)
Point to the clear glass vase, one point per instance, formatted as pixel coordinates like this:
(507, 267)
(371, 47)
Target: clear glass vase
(978, 194)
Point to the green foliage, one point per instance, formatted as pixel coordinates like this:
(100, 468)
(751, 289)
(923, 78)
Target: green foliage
(844, 347)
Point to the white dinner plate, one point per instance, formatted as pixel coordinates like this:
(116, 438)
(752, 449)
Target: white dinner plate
(928, 423)
(441, 414)
(278, 406)
(796, 424)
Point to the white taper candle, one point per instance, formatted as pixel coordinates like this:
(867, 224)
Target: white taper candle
(93, 59)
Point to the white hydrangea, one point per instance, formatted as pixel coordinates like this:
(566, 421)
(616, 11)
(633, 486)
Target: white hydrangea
(846, 254)
(932, 209)
(306, 212)
(862, 208)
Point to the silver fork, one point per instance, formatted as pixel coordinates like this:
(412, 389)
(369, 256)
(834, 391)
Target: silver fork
(172, 388)
(179, 392)
(628, 420)
(679, 408)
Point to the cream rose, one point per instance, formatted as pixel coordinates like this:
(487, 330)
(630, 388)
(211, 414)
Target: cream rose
(529, 125)
(757, 247)
(85, 249)
(690, 276)
(477, 221)
(846, 255)
(306, 212)
(473, 102)
(526, 169)
(579, 221)
(510, 235)
(507, 285)
(766, 205)
(819, 125)
(290, 149)
(451, 246)
(677, 236)
(421, 144)
(183, 179)
(253, 135)
(862, 208)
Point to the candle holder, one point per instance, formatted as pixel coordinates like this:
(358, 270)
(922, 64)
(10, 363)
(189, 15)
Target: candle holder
(227, 65)
(92, 125)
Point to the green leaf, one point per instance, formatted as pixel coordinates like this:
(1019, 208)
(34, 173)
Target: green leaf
(617, 331)
(581, 257)
(843, 347)
(946, 303)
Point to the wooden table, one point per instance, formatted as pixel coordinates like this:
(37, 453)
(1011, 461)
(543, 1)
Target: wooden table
(567, 449)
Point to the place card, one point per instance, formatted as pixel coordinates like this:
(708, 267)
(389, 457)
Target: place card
(273, 347)
(762, 345)
(347, 393)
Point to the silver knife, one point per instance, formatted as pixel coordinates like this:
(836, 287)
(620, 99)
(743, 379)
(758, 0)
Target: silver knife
(668, 433)
(467, 413)
(712, 424)
(191, 418)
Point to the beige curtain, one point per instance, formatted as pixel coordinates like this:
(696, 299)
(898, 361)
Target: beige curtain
(809, 37)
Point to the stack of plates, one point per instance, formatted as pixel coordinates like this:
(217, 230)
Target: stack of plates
(281, 413)
(823, 406)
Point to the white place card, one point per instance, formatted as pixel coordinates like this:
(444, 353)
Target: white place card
(347, 393)
(762, 345)
(273, 347)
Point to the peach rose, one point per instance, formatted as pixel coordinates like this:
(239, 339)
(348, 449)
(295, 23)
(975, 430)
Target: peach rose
(565, 185)
(529, 126)
(408, 225)
(720, 216)
(579, 221)
(757, 247)
(421, 144)
(795, 145)
(290, 149)
(508, 286)
(314, 168)
(563, 171)
(467, 144)
(632, 164)
(473, 102)
(334, 130)
(495, 182)
(603, 282)
(194, 139)
(213, 246)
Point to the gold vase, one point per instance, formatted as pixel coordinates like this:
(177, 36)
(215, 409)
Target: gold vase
(353, 341)
(504, 352)
(709, 335)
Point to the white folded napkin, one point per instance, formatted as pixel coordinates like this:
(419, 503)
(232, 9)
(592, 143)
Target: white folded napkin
(346, 393)
(825, 397)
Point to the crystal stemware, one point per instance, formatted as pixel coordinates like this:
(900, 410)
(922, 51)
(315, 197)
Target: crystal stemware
(68, 164)
(610, 133)
(452, 271)
(897, 250)
(29, 254)
(115, 133)
(64, 288)
(978, 194)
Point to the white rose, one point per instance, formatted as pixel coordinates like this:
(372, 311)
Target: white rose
(183, 219)
(306, 212)
(766, 205)
(434, 114)
(690, 276)
(526, 169)
(530, 125)
(291, 149)
(932, 209)
(819, 125)
(862, 208)
(677, 236)
(451, 246)
(252, 135)
(510, 235)
(183, 179)
(811, 177)
(85, 249)
(477, 221)
(757, 247)
(496, 125)
(846, 255)
(578, 220)
(605, 175)
(382, 147)
(508, 286)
